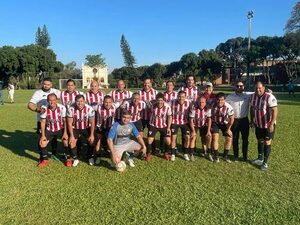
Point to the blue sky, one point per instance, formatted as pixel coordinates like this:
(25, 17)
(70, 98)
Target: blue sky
(157, 31)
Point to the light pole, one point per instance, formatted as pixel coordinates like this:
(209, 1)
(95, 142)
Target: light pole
(249, 16)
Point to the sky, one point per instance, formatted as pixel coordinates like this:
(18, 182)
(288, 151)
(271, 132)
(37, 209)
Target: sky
(157, 30)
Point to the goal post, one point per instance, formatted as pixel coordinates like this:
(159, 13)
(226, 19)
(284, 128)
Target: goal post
(63, 83)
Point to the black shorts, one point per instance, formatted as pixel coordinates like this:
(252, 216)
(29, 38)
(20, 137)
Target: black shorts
(102, 131)
(202, 130)
(145, 124)
(50, 135)
(185, 130)
(263, 133)
(139, 125)
(78, 133)
(153, 130)
(216, 127)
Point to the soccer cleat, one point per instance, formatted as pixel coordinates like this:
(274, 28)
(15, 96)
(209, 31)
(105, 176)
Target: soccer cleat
(186, 157)
(43, 163)
(148, 157)
(210, 158)
(172, 158)
(91, 161)
(217, 160)
(130, 162)
(192, 158)
(97, 162)
(264, 166)
(226, 159)
(166, 156)
(75, 162)
(257, 162)
(68, 163)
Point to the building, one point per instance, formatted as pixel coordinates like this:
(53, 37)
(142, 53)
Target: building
(99, 73)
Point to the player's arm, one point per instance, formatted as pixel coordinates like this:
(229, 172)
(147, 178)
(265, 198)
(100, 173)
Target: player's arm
(92, 130)
(251, 115)
(111, 135)
(229, 125)
(192, 126)
(70, 128)
(31, 106)
(65, 134)
(169, 122)
(208, 120)
(274, 117)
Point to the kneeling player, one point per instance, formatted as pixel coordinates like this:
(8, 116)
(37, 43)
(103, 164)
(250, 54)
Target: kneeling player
(180, 113)
(222, 119)
(200, 119)
(160, 121)
(81, 122)
(119, 139)
(53, 125)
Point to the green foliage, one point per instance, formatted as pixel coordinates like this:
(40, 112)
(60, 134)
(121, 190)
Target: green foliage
(158, 192)
(129, 59)
(190, 64)
(42, 38)
(155, 72)
(293, 24)
(95, 60)
(211, 64)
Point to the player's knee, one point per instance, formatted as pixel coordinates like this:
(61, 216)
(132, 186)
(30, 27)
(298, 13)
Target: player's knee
(267, 142)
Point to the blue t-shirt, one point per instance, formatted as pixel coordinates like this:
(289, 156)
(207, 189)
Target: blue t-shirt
(122, 134)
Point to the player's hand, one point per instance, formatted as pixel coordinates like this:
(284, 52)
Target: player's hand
(42, 139)
(228, 133)
(271, 128)
(65, 136)
(208, 134)
(168, 131)
(144, 150)
(91, 139)
(72, 139)
(114, 157)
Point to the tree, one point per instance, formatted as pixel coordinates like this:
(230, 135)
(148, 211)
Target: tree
(95, 60)
(42, 37)
(190, 64)
(129, 59)
(293, 24)
(70, 65)
(156, 72)
(211, 64)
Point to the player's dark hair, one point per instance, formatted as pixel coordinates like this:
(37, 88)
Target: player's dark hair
(220, 95)
(71, 80)
(180, 92)
(51, 94)
(135, 94)
(79, 97)
(160, 95)
(107, 97)
(260, 82)
(47, 79)
(147, 78)
(126, 112)
(190, 75)
(239, 81)
(170, 81)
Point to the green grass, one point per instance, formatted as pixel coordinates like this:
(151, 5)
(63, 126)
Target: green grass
(158, 192)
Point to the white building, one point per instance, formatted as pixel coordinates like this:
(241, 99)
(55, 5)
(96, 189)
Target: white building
(96, 72)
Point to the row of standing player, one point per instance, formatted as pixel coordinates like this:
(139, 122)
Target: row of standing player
(162, 117)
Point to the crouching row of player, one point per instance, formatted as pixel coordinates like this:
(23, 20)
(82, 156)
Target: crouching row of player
(165, 118)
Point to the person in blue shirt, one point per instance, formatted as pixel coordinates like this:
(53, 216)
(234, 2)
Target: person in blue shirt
(291, 88)
(123, 137)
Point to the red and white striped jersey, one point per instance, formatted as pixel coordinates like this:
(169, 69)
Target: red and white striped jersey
(105, 117)
(180, 112)
(200, 115)
(191, 92)
(68, 99)
(118, 96)
(220, 115)
(159, 116)
(81, 117)
(170, 96)
(135, 109)
(94, 99)
(147, 96)
(54, 118)
(262, 106)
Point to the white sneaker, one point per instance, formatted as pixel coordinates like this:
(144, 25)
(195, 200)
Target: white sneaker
(210, 158)
(172, 158)
(91, 161)
(97, 162)
(131, 163)
(186, 157)
(75, 163)
(192, 158)
(257, 162)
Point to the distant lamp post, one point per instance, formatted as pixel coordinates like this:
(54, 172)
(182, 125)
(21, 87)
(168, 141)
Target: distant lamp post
(249, 16)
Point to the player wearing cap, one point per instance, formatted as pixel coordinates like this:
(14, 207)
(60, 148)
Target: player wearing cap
(222, 119)
(53, 125)
(208, 94)
(263, 115)
(200, 119)
(81, 122)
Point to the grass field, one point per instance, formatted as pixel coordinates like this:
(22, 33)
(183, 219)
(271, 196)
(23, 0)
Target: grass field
(158, 192)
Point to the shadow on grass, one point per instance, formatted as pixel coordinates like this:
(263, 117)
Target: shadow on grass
(18, 142)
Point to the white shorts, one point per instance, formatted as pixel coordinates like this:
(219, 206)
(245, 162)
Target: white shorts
(129, 147)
